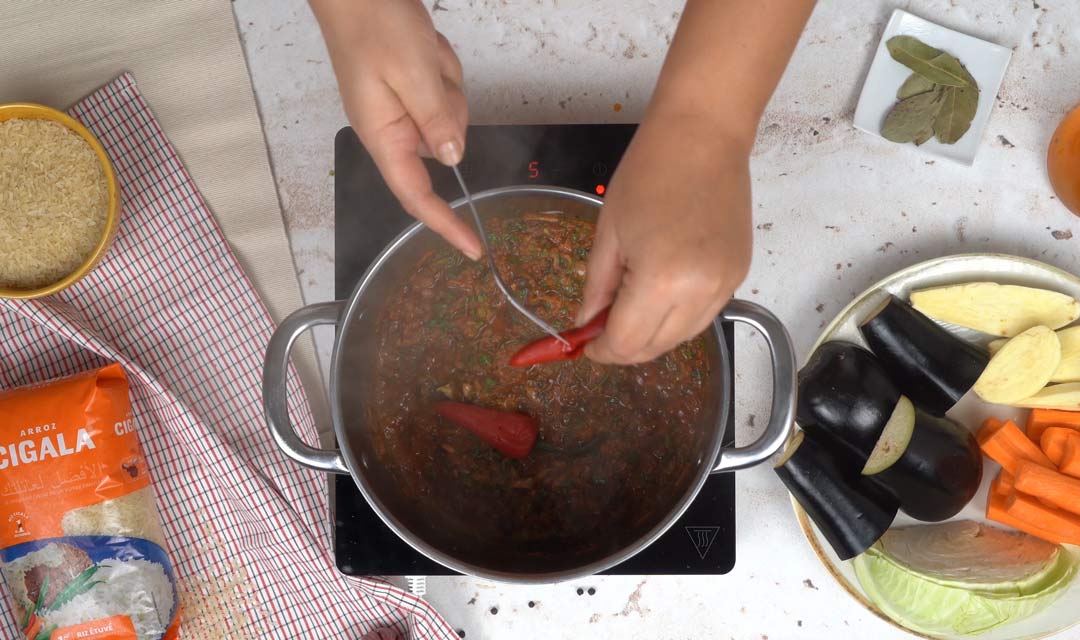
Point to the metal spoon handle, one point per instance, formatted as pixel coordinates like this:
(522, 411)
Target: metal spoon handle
(495, 270)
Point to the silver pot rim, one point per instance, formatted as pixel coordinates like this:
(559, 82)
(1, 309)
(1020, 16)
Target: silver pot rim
(715, 459)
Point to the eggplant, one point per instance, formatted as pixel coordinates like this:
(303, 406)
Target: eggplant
(929, 364)
(938, 472)
(846, 399)
(894, 440)
(850, 511)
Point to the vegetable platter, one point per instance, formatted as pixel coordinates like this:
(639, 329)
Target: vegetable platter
(881, 320)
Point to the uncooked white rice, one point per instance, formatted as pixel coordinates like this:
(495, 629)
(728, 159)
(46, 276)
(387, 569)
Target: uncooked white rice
(54, 201)
(138, 589)
(133, 516)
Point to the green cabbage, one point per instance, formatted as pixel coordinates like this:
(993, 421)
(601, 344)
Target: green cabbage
(937, 602)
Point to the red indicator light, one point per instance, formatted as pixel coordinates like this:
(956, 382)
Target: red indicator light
(534, 170)
(600, 189)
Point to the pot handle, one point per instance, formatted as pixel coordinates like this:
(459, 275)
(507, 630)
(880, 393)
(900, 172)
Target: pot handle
(782, 414)
(275, 391)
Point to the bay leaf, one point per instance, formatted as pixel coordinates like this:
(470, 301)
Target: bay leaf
(924, 135)
(957, 110)
(967, 76)
(912, 46)
(910, 117)
(913, 86)
(933, 64)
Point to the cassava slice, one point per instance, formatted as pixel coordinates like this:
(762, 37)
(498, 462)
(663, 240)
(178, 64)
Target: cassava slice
(1021, 368)
(1069, 369)
(1056, 396)
(1000, 310)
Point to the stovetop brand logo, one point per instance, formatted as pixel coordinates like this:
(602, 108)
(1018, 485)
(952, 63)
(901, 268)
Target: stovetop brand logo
(703, 538)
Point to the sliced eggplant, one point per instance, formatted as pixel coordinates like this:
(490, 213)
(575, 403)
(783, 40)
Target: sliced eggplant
(939, 471)
(1056, 396)
(846, 398)
(928, 363)
(894, 440)
(1021, 368)
(851, 512)
(1000, 310)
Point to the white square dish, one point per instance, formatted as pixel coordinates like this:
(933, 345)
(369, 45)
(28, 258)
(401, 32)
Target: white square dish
(985, 61)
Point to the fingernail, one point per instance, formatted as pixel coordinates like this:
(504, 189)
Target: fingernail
(473, 254)
(449, 153)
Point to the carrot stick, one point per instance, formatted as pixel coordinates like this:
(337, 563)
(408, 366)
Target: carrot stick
(1053, 441)
(1002, 485)
(1048, 485)
(1042, 419)
(995, 510)
(1070, 460)
(1033, 516)
(1004, 443)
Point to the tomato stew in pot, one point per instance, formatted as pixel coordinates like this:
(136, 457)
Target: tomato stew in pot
(617, 446)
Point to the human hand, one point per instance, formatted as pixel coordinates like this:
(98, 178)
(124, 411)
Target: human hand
(673, 241)
(400, 83)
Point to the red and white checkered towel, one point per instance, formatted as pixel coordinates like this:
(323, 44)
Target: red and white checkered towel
(247, 529)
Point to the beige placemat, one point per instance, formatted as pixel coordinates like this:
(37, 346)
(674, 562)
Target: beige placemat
(186, 57)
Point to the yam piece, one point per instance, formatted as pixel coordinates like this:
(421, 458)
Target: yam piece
(1021, 368)
(1069, 369)
(1056, 396)
(1000, 310)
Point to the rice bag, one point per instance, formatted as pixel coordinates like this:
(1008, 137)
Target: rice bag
(81, 546)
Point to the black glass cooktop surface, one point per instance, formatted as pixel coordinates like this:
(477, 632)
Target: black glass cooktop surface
(368, 217)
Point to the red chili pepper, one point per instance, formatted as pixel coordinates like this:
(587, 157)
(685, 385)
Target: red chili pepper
(512, 433)
(551, 350)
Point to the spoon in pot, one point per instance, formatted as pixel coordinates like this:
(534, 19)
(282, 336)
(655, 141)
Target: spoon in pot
(495, 269)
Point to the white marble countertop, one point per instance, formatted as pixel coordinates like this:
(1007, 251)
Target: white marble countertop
(836, 210)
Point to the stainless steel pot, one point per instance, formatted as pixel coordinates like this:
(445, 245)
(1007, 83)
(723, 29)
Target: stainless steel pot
(354, 355)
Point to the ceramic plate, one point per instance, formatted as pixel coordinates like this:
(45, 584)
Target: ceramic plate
(985, 60)
(970, 411)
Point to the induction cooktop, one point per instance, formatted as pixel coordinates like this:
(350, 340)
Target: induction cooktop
(368, 217)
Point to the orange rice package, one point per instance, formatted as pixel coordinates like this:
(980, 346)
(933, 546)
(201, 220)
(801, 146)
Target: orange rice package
(81, 545)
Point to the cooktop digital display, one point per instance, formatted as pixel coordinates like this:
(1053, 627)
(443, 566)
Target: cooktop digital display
(368, 217)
